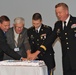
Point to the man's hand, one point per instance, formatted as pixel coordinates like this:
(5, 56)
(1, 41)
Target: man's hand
(33, 56)
(23, 59)
(28, 54)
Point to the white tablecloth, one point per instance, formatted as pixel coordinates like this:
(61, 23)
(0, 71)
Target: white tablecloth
(23, 70)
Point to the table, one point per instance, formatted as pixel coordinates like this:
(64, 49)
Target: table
(23, 70)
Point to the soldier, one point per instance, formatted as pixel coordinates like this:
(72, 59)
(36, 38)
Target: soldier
(38, 33)
(67, 34)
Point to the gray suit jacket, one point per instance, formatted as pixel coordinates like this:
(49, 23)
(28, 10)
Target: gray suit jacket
(23, 43)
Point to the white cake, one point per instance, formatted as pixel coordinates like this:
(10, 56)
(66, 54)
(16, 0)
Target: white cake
(26, 63)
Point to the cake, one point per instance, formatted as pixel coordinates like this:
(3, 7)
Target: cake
(26, 63)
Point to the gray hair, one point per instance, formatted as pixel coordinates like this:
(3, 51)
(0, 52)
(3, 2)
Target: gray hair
(18, 20)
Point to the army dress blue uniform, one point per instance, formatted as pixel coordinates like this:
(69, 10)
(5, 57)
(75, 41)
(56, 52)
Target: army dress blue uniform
(68, 43)
(36, 39)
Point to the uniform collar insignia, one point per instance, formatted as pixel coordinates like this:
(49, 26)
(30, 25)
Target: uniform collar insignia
(41, 29)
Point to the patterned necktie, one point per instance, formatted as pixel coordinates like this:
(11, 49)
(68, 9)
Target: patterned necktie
(65, 25)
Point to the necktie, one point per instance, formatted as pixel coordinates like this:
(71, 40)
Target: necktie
(36, 31)
(5, 33)
(65, 25)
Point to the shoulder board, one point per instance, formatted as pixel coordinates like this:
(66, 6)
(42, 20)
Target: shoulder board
(46, 26)
(57, 22)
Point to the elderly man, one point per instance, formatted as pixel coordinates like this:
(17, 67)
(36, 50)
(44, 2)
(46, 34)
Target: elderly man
(17, 38)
